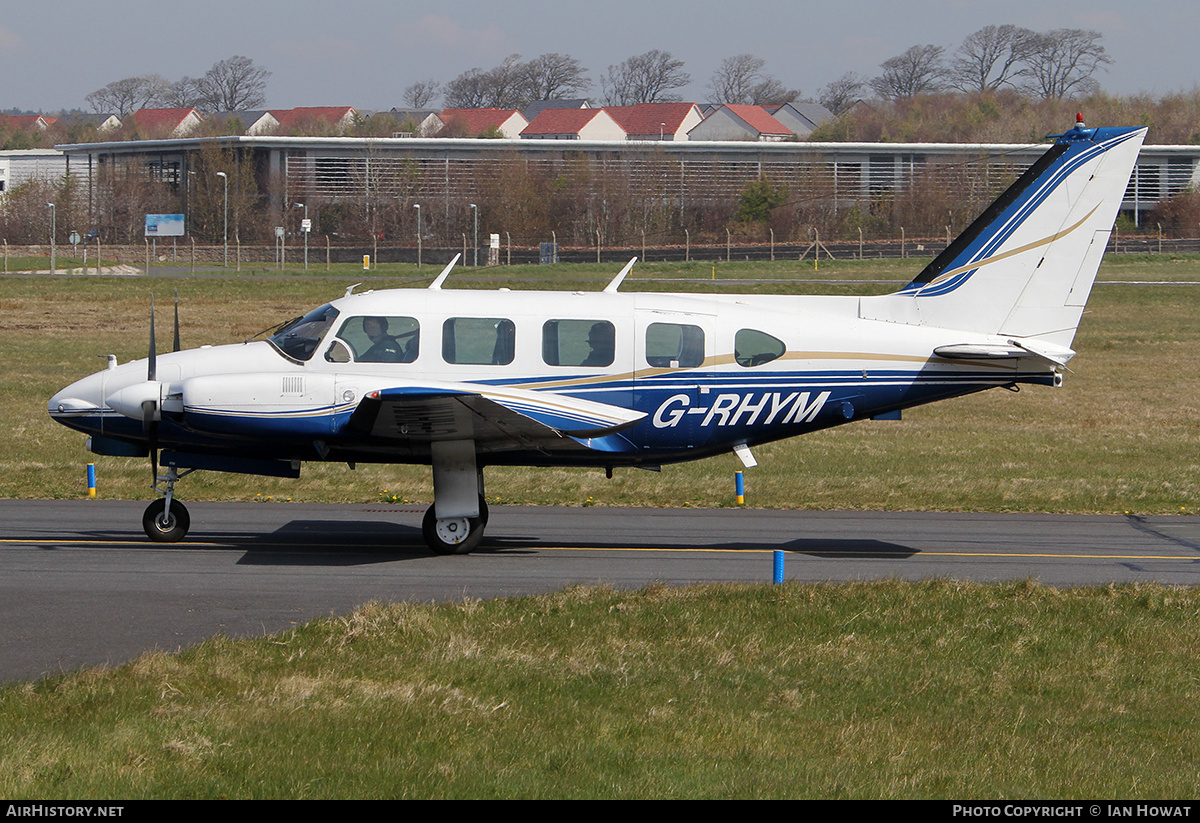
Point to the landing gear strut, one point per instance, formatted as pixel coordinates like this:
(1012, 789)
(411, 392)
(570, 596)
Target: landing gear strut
(454, 524)
(167, 520)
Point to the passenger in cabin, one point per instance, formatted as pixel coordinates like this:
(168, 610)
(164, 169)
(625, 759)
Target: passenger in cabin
(384, 348)
(601, 339)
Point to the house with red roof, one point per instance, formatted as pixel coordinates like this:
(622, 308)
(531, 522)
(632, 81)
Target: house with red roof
(573, 124)
(483, 122)
(656, 121)
(158, 123)
(26, 122)
(314, 120)
(740, 122)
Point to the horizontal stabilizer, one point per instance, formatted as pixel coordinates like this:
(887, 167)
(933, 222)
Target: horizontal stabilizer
(1057, 355)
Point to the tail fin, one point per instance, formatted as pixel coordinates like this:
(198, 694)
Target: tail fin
(1026, 266)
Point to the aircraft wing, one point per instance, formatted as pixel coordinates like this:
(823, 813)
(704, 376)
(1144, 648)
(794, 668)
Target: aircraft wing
(496, 418)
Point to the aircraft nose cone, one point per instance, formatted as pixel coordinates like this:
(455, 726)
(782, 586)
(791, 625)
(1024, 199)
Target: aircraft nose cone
(62, 403)
(81, 397)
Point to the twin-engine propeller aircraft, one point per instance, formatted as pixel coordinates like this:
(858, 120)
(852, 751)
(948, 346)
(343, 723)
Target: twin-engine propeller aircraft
(463, 379)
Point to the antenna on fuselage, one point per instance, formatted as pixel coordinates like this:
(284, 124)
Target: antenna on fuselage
(612, 287)
(441, 278)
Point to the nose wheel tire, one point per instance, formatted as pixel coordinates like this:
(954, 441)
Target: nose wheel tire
(455, 535)
(166, 527)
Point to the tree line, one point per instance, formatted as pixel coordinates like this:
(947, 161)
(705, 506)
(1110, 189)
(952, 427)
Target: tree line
(1062, 63)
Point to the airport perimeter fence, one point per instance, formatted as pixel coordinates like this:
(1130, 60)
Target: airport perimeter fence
(265, 257)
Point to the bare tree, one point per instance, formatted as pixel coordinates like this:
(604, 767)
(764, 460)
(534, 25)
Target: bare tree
(234, 84)
(646, 78)
(507, 85)
(740, 79)
(182, 94)
(1062, 63)
(918, 71)
(422, 93)
(554, 76)
(991, 57)
(467, 91)
(127, 96)
(843, 92)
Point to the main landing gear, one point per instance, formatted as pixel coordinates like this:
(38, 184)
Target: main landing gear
(455, 522)
(166, 520)
(454, 535)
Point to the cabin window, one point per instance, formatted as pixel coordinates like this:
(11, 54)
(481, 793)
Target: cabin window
(382, 339)
(589, 343)
(299, 338)
(752, 347)
(674, 345)
(478, 341)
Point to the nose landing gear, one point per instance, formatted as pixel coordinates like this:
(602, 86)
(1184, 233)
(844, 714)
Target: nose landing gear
(167, 520)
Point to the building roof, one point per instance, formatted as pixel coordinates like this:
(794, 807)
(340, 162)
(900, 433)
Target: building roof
(301, 115)
(538, 106)
(649, 118)
(757, 118)
(164, 120)
(807, 116)
(26, 121)
(562, 121)
(478, 121)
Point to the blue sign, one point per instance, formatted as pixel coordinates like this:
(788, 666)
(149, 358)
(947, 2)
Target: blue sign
(164, 225)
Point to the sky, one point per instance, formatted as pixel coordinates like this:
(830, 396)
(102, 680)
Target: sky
(363, 53)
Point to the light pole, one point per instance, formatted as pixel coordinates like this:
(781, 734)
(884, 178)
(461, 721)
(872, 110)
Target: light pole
(225, 234)
(418, 208)
(304, 230)
(475, 212)
(53, 232)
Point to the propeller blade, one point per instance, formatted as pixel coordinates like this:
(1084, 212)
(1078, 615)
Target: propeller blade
(151, 367)
(176, 321)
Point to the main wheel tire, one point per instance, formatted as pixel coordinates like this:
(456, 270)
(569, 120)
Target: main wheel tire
(459, 535)
(166, 528)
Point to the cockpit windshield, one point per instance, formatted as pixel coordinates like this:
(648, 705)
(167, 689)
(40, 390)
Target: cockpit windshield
(299, 338)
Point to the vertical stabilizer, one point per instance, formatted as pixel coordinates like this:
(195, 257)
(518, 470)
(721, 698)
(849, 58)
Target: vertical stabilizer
(1026, 266)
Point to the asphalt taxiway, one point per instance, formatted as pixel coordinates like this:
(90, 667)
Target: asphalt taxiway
(81, 585)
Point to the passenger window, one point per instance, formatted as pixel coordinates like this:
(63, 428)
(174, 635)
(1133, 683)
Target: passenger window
(479, 341)
(674, 345)
(753, 348)
(379, 339)
(338, 353)
(588, 343)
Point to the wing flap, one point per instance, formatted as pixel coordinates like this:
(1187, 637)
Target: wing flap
(495, 418)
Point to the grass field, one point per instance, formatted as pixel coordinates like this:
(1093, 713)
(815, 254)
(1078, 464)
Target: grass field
(879, 690)
(1120, 436)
